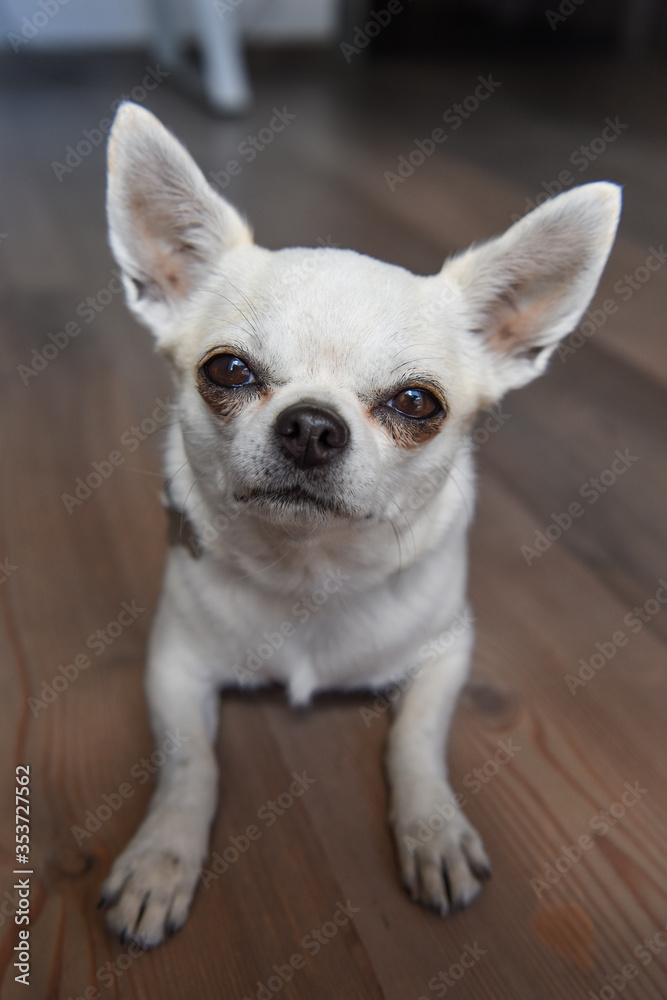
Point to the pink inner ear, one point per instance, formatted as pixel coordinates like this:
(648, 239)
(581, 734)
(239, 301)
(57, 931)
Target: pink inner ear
(514, 327)
(167, 266)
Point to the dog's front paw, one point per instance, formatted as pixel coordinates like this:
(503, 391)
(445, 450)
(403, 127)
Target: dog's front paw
(442, 858)
(148, 892)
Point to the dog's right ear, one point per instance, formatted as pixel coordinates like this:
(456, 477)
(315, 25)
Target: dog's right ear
(528, 289)
(168, 229)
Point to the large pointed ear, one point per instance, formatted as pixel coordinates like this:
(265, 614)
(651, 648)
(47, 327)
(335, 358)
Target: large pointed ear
(167, 227)
(527, 289)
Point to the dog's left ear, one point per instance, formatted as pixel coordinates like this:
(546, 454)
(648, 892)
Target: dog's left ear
(167, 227)
(527, 289)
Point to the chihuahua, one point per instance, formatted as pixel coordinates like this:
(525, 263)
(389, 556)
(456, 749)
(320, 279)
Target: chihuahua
(321, 445)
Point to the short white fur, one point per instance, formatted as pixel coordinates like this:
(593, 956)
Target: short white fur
(336, 329)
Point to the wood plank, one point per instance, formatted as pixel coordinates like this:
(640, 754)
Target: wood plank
(571, 766)
(474, 204)
(619, 529)
(323, 177)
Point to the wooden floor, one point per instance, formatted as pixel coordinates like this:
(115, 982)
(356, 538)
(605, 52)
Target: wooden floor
(546, 926)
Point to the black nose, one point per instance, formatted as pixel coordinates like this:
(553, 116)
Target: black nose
(311, 435)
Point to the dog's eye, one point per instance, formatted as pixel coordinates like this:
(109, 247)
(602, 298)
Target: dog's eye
(415, 403)
(228, 371)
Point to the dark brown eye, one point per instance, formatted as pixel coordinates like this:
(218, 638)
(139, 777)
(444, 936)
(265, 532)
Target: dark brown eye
(415, 403)
(228, 371)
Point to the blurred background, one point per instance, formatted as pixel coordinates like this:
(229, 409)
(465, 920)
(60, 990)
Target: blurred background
(364, 83)
(406, 130)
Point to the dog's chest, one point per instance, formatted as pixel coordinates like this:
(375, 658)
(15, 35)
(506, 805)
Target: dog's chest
(330, 632)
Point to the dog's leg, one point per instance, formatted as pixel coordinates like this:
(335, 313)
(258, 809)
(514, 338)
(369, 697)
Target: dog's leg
(151, 884)
(441, 856)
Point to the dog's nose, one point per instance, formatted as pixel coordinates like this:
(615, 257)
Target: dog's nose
(311, 435)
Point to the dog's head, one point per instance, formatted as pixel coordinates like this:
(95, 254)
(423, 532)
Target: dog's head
(323, 384)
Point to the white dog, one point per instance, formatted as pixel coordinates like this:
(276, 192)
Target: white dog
(317, 391)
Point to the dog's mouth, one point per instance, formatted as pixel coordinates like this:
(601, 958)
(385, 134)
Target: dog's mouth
(291, 500)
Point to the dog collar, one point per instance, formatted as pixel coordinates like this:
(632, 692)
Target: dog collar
(180, 530)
